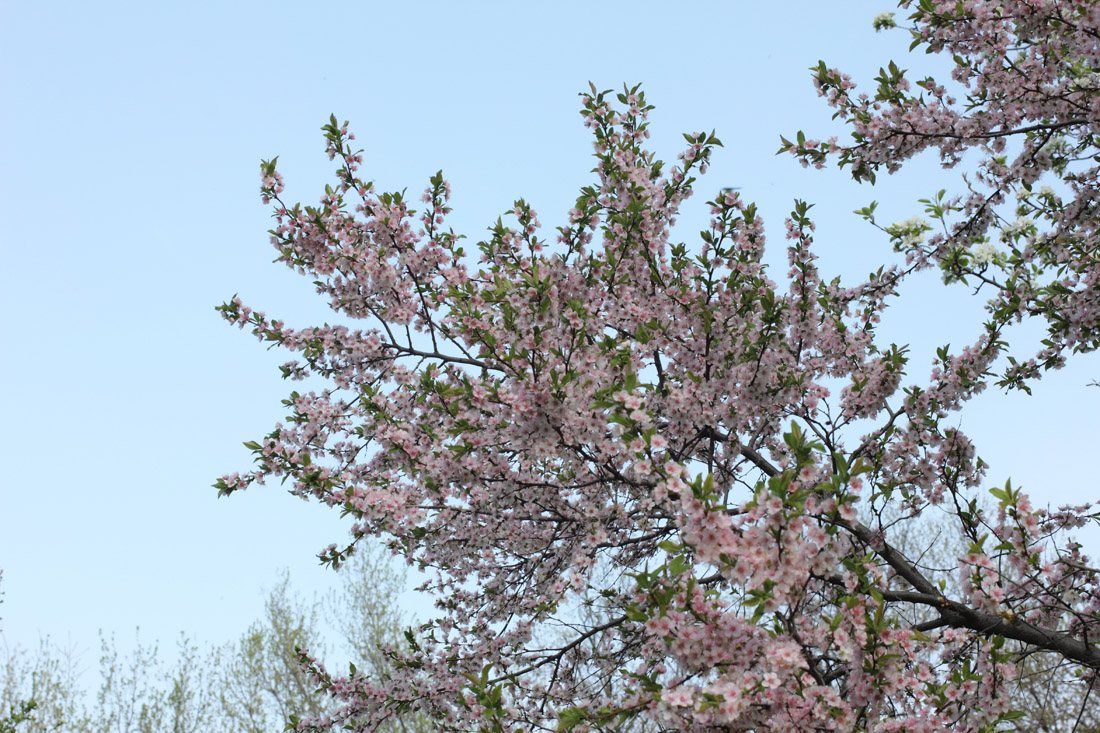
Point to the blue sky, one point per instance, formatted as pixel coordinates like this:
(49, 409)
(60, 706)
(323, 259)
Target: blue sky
(130, 139)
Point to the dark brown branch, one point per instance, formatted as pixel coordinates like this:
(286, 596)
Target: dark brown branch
(993, 134)
(409, 351)
(563, 651)
(958, 615)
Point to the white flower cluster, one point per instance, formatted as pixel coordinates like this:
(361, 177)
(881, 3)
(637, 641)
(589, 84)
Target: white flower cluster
(910, 231)
(1053, 145)
(1022, 194)
(1085, 79)
(883, 20)
(983, 254)
(1016, 228)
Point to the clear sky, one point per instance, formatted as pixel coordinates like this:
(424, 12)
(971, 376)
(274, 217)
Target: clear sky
(130, 140)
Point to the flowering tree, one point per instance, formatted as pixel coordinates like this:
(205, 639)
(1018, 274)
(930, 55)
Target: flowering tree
(656, 489)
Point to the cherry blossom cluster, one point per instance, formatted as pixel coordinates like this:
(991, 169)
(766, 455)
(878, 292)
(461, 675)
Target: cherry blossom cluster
(1024, 95)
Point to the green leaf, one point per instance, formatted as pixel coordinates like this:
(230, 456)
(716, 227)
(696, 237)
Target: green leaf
(570, 719)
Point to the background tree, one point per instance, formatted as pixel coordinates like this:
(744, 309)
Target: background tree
(19, 711)
(364, 612)
(252, 685)
(259, 682)
(372, 626)
(666, 438)
(49, 679)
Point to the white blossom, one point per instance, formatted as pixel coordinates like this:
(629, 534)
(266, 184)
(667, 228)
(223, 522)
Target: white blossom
(910, 231)
(983, 254)
(1016, 228)
(883, 20)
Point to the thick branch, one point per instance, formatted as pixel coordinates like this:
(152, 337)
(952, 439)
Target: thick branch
(436, 355)
(958, 615)
(992, 134)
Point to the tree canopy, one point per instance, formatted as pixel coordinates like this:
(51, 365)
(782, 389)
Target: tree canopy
(654, 488)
